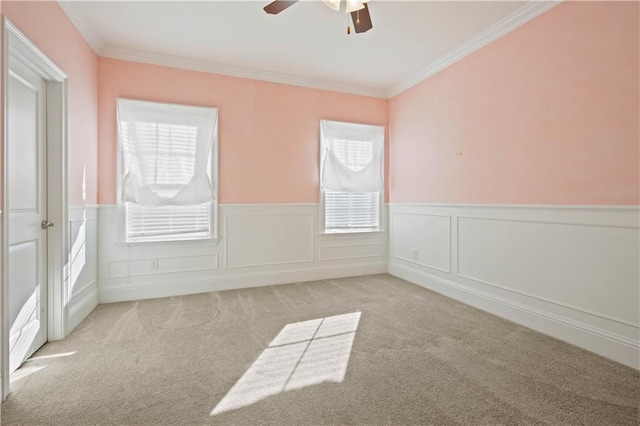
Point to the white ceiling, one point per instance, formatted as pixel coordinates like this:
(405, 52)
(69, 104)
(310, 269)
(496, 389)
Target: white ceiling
(306, 43)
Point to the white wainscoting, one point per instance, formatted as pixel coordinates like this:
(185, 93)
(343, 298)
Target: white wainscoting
(569, 272)
(82, 268)
(259, 244)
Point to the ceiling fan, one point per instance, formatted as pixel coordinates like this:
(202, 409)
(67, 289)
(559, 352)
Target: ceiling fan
(358, 9)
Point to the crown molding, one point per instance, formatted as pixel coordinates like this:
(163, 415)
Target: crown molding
(77, 18)
(97, 43)
(492, 33)
(236, 71)
(521, 16)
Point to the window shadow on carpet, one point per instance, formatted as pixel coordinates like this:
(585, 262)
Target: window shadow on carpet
(302, 354)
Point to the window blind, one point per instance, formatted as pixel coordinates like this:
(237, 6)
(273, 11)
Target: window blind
(345, 211)
(170, 148)
(167, 222)
(351, 176)
(167, 155)
(166, 151)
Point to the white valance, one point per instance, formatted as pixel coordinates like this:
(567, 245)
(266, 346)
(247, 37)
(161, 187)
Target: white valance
(352, 157)
(166, 151)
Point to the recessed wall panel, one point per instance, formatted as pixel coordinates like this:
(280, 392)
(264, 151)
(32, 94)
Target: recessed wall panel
(268, 239)
(422, 239)
(588, 266)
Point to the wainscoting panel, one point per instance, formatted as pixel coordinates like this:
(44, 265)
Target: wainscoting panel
(259, 244)
(423, 239)
(82, 267)
(353, 251)
(169, 264)
(570, 272)
(568, 264)
(262, 239)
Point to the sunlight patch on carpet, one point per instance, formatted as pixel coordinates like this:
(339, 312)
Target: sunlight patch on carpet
(302, 354)
(24, 372)
(60, 355)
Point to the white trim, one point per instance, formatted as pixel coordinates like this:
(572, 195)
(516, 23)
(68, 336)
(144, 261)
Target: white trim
(237, 281)
(624, 216)
(497, 30)
(523, 206)
(18, 45)
(237, 71)
(4, 224)
(57, 209)
(79, 310)
(261, 205)
(602, 342)
(355, 233)
(553, 222)
(415, 262)
(92, 283)
(27, 52)
(80, 21)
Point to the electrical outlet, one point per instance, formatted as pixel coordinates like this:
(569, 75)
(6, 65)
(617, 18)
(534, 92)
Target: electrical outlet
(415, 254)
(154, 264)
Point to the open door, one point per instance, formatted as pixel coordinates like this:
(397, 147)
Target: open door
(27, 212)
(33, 252)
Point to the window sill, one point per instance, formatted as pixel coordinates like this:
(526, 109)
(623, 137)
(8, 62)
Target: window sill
(213, 240)
(377, 232)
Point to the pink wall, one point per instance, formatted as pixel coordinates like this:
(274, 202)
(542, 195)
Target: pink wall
(268, 133)
(547, 114)
(47, 26)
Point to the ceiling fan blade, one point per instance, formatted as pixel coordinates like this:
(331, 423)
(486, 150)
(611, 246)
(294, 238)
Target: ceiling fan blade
(363, 24)
(278, 6)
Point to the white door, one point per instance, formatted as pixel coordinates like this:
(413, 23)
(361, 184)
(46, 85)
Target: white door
(27, 210)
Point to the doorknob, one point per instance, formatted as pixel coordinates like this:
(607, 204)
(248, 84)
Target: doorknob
(46, 224)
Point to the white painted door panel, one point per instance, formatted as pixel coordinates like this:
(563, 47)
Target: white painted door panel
(27, 208)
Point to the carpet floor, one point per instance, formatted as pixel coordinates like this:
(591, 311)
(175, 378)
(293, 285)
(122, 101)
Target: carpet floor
(365, 350)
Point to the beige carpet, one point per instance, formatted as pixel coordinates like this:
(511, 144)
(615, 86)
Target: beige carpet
(367, 350)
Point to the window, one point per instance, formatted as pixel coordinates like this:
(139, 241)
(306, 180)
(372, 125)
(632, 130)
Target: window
(168, 170)
(351, 178)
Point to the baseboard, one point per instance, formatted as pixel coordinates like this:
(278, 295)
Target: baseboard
(601, 342)
(237, 281)
(80, 309)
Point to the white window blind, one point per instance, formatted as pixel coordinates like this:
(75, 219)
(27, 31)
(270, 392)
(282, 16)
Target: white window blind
(167, 184)
(351, 211)
(167, 222)
(351, 176)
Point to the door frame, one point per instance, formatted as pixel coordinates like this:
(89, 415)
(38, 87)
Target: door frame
(18, 45)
